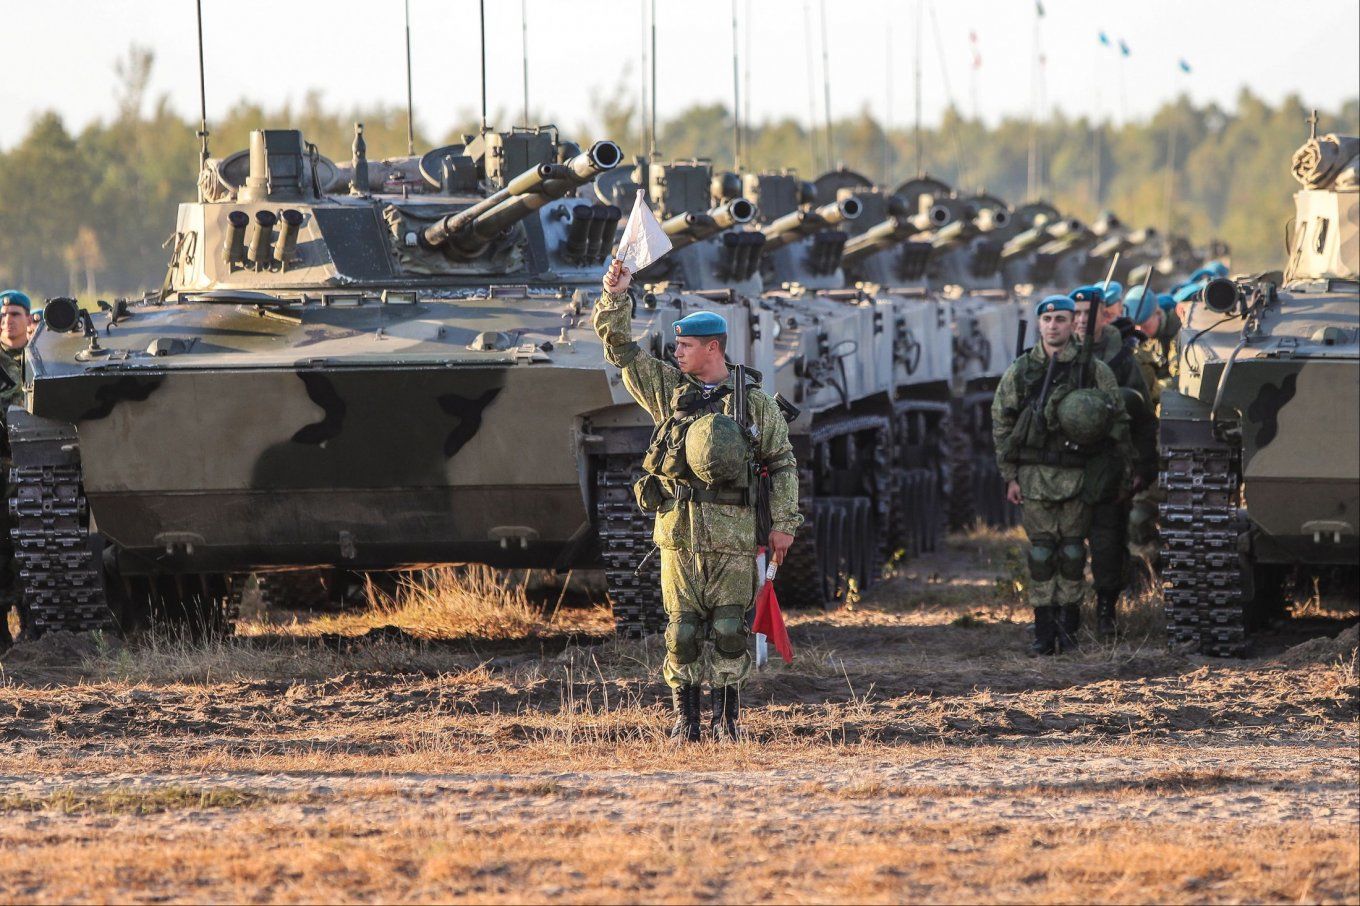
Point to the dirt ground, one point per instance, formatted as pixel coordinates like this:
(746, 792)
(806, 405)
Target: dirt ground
(466, 746)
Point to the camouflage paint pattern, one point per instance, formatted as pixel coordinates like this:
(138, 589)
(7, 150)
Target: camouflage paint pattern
(706, 596)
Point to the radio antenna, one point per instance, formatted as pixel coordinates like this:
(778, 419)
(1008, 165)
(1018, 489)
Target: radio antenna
(524, 52)
(826, 95)
(410, 104)
(812, 83)
(202, 104)
(481, 24)
(651, 147)
(736, 94)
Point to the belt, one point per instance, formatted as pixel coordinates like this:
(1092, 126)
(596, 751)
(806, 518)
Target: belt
(712, 495)
(1052, 458)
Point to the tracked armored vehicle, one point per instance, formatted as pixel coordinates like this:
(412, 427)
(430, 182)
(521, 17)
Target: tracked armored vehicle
(363, 366)
(1260, 439)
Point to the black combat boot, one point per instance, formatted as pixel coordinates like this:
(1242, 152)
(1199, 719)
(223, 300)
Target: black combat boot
(687, 701)
(1045, 630)
(726, 710)
(1105, 609)
(5, 639)
(1069, 623)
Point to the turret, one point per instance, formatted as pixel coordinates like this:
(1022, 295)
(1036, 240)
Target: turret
(1325, 236)
(798, 224)
(470, 230)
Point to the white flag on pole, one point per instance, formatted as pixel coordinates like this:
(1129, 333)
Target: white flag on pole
(643, 239)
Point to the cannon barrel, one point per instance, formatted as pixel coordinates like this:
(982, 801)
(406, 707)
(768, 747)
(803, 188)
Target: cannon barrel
(794, 226)
(989, 219)
(952, 234)
(687, 229)
(471, 228)
(891, 231)
(1024, 242)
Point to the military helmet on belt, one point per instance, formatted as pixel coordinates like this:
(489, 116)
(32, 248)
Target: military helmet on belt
(1085, 415)
(717, 451)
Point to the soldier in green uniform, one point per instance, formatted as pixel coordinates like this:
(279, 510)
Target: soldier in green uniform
(16, 326)
(1058, 423)
(701, 480)
(1159, 327)
(1155, 317)
(1115, 343)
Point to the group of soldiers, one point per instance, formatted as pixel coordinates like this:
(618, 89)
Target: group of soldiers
(1075, 425)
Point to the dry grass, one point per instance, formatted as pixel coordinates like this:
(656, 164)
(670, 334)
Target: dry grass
(459, 740)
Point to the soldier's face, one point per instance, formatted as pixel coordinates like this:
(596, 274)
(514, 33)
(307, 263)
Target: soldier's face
(1055, 328)
(1152, 324)
(1079, 319)
(15, 324)
(697, 355)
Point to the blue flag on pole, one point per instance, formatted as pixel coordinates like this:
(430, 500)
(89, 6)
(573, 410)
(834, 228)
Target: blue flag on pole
(1185, 67)
(1123, 47)
(1104, 39)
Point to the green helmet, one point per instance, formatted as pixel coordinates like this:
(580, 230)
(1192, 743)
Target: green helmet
(717, 450)
(1085, 416)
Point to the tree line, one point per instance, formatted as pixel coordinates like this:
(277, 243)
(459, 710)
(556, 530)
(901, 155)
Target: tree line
(88, 213)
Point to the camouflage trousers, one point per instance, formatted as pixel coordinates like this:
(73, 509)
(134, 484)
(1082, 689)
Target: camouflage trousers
(1057, 555)
(1110, 545)
(706, 595)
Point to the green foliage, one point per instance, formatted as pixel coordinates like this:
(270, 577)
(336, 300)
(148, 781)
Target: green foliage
(87, 213)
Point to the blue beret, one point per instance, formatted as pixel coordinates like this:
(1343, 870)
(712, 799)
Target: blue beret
(701, 324)
(1202, 274)
(1055, 303)
(14, 297)
(1087, 293)
(1166, 301)
(1139, 304)
(1188, 290)
(1219, 268)
(1113, 292)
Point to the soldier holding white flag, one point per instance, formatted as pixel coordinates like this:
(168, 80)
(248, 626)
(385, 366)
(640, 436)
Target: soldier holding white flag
(703, 472)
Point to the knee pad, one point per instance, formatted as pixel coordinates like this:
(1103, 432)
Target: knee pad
(1043, 553)
(1072, 558)
(729, 630)
(682, 638)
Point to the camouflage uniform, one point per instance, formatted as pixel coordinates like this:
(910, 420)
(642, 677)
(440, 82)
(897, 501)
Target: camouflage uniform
(1159, 361)
(12, 364)
(708, 567)
(1058, 493)
(1110, 512)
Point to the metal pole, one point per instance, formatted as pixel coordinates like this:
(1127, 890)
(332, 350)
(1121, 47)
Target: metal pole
(410, 103)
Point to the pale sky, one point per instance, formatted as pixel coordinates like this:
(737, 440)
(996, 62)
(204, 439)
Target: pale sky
(59, 54)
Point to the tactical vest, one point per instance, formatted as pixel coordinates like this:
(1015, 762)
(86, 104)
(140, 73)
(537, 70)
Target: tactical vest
(1036, 438)
(669, 475)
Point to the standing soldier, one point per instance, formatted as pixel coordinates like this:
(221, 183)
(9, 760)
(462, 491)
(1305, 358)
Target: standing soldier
(701, 481)
(1156, 354)
(1156, 319)
(1057, 421)
(1114, 343)
(16, 326)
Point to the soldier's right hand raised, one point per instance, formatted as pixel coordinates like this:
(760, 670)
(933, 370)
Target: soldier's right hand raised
(617, 279)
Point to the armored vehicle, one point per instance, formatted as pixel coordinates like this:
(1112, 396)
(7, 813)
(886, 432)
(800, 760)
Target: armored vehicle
(362, 366)
(1261, 437)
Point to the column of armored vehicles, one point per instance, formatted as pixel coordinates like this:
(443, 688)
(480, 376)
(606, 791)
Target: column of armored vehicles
(386, 364)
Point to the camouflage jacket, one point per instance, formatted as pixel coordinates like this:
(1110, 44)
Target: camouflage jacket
(12, 363)
(1055, 482)
(690, 526)
(1157, 357)
(1119, 350)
